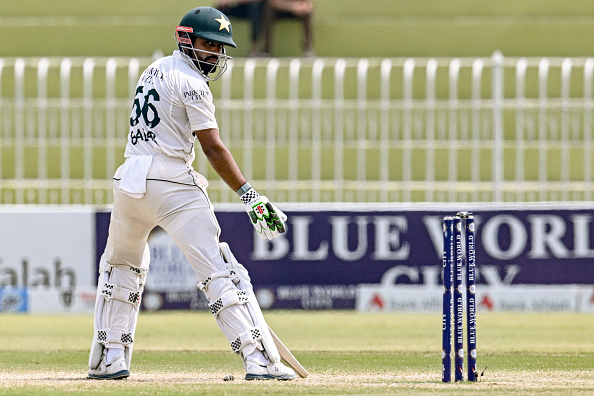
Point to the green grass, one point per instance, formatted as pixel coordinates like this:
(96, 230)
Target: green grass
(345, 352)
(341, 28)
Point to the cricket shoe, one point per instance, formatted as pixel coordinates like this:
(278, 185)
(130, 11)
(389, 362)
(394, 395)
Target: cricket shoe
(114, 370)
(276, 371)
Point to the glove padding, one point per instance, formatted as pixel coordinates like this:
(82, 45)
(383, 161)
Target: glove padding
(267, 219)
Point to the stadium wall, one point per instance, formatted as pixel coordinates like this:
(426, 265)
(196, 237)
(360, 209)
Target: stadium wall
(367, 257)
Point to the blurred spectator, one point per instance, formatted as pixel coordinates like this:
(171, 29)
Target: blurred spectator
(293, 9)
(252, 10)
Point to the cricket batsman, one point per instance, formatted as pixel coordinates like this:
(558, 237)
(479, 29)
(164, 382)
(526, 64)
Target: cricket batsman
(157, 186)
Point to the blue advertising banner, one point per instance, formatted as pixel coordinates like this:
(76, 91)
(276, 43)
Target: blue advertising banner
(329, 249)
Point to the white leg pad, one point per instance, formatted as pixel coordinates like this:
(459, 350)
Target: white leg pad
(227, 304)
(241, 278)
(119, 291)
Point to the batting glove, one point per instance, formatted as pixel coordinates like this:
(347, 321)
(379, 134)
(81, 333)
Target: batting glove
(267, 219)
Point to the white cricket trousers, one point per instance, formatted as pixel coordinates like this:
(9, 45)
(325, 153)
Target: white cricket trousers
(183, 211)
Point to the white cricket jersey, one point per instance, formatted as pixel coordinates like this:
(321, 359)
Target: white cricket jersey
(172, 100)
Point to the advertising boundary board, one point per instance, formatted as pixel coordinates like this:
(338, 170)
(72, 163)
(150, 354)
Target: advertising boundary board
(46, 258)
(331, 251)
(334, 256)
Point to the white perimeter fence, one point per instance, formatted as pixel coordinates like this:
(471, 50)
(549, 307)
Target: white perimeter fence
(333, 130)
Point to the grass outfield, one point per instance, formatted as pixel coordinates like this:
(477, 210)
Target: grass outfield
(345, 353)
(341, 28)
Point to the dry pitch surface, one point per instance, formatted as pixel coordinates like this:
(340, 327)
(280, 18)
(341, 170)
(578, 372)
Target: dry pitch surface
(551, 382)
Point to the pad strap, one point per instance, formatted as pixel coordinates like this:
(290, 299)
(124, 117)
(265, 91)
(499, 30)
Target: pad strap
(226, 300)
(140, 272)
(222, 274)
(111, 291)
(114, 337)
(250, 336)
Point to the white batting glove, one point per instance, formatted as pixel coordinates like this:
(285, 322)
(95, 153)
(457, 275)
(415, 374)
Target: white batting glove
(266, 218)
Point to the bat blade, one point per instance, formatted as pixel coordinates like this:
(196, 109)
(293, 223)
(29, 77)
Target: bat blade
(287, 356)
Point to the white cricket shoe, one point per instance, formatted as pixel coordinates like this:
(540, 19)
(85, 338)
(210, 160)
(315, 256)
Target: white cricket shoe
(114, 370)
(276, 371)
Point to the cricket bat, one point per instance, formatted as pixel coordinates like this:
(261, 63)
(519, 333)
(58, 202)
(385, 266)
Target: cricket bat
(287, 356)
